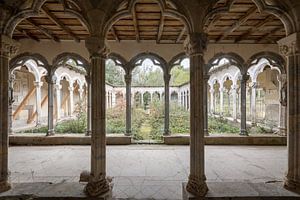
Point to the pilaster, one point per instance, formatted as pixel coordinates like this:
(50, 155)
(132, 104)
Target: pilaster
(8, 47)
(290, 47)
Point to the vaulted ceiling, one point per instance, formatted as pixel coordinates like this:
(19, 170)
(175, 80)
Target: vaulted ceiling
(242, 24)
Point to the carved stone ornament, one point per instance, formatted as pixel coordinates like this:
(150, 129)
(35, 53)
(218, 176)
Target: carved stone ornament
(96, 46)
(197, 186)
(290, 45)
(195, 44)
(8, 46)
(97, 186)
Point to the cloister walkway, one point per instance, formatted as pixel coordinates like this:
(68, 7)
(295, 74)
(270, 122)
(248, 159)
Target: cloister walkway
(149, 171)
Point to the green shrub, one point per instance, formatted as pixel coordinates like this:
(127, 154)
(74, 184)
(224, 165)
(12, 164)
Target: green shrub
(220, 126)
(179, 120)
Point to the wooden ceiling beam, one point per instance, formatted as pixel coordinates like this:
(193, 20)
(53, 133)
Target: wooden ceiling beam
(136, 25)
(213, 22)
(55, 20)
(237, 24)
(268, 35)
(46, 32)
(180, 35)
(113, 31)
(160, 28)
(26, 34)
(255, 28)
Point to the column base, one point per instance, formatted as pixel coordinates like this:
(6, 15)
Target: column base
(292, 185)
(243, 133)
(282, 131)
(128, 133)
(50, 133)
(196, 187)
(186, 195)
(4, 186)
(88, 133)
(100, 187)
(206, 132)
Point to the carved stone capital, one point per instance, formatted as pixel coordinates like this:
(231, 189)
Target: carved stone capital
(244, 77)
(96, 47)
(290, 45)
(50, 79)
(97, 186)
(8, 46)
(195, 44)
(197, 186)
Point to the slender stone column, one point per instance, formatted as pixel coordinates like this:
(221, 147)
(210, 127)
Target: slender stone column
(113, 99)
(89, 106)
(51, 81)
(142, 100)
(253, 103)
(98, 183)
(58, 100)
(10, 103)
(179, 99)
(71, 90)
(7, 49)
(244, 80)
(221, 90)
(234, 102)
(167, 78)
(282, 78)
(205, 116)
(38, 98)
(290, 47)
(128, 79)
(212, 101)
(195, 46)
(80, 91)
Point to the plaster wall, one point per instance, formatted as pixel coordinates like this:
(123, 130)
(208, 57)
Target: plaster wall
(129, 49)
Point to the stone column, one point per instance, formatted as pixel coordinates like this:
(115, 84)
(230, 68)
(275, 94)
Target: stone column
(89, 106)
(10, 103)
(234, 102)
(51, 81)
(38, 98)
(179, 99)
(58, 100)
(128, 79)
(244, 80)
(113, 99)
(253, 103)
(142, 100)
(221, 90)
(7, 49)
(205, 113)
(80, 91)
(195, 46)
(98, 184)
(71, 90)
(282, 78)
(167, 78)
(290, 47)
(212, 101)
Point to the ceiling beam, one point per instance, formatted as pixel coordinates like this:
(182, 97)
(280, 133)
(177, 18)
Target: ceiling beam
(46, 32)
(237, 24)
(268, 35)
(54, 19)
(213, 22)
(136, 25)
(180, 35)
(160, 28)
(255, 28)
(113, 31)
(26, 34)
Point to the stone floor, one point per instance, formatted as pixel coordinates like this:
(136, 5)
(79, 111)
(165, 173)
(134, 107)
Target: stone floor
(145, 171)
